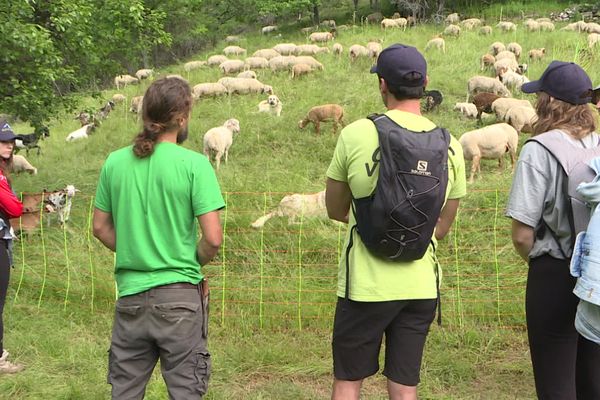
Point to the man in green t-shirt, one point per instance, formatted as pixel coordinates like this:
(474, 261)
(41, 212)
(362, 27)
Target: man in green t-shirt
(397, 299)
(150, 199)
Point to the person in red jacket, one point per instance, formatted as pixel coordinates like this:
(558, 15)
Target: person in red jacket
(10, 207)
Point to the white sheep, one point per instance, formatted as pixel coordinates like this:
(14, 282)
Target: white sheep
(374, 48)
(593, 39)
(505, 64)
(506, 54)
(438, 43)
(256, 63)
(521, 118)
(357, 50)
(21, 164)
(490, 142)
(471, 23)
(266, 53)
(452, 18)
(125, 80)
(268, 29)
(496, 48)
(536, 54)
(513, 80)
(531, 25)
(320, 36)
(118, 98)
(232, 66)
(506, 26)
(337, 49)
(176, 76)
(308, 60)
(480, 84)
(487, 61)
(546, 26)
(515, 48)
(245, 86)
(280, 63)
(296, 206)
(136, 104)
(208, 89)
(232, 39)
(485, 30)
(469, 110)
(300, 69)
(144, 73)
(579, 26)
(247, 74)
(501, 106)
(394, 23)
(81, 133)
(592, 27)
(218, 140)
(285, 49)
(452, 30)
(234, 51)
(310, 49)
(192, 65)
(216, 60)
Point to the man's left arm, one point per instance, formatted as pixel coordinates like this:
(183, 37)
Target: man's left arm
(446, 218)
(337, 200)
(104, 229)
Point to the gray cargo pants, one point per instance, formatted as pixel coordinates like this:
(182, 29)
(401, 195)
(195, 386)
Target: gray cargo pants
(168, 322)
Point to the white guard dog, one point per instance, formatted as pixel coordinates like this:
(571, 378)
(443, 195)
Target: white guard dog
(272, 105)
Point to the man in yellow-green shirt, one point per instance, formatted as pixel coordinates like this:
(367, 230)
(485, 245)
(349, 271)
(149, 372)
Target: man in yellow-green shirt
(395, 298)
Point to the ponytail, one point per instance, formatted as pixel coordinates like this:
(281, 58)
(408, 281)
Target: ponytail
(143, 144)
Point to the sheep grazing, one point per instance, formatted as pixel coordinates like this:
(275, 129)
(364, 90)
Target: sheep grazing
(247, 74)
(144, 73)
(515, 48)
(506, 26)
(136, 104)
(438, 43)
(321, 36)
(245, 86)
(485, 30)
(192, 65)
(536, 54)
(471, 23)
(216, 60)
(81, 133)
(20, 164)
(466, 109)
(232, 66)
(328, 23)
(479, 84)
(592, 27)
(208, 89)
(124, 80)
(176, 76)
(285, 49)
(30, 141)
(496, 48)
(501, 106)
(300, 69)
(218, 140)
(504, 65)
(521, 118)
(432, 99)
(487, 61)
(310, 49)
(490, 142)
(531, 25)
(546, 26)
(452, 30)
(308, 60)
(234, 51)
(256, 63)
(394, 23)
(452, 18)
(373, 18)
(593, 39)
(337, 49)
(281, 63)
(232, 39)
(307, 30)
(357, 50)
(296, 206)
(513, 80)
(506, 54)
(268, 29)
(579, 26)
(483, 103)
(326, 112)
(118, 98)
(266, 53)
(374, 48)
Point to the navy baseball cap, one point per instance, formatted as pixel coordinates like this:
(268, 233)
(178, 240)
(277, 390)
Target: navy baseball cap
(6, 132)
(565, 81)
(401, 65)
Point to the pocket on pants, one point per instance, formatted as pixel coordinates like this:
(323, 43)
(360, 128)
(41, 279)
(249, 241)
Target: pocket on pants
(177, 311)
(202, 370)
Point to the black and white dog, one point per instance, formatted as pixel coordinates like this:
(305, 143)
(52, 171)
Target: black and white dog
(432, 99)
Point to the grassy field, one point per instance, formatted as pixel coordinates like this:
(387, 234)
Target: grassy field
(274, 289)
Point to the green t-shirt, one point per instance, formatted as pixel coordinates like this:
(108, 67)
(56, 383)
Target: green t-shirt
(372, 278)
(155, 202)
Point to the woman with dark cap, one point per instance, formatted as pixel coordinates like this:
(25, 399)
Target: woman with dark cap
(565, 365)
(10, 207)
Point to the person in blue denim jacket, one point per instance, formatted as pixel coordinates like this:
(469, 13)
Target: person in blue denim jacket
(585, 263)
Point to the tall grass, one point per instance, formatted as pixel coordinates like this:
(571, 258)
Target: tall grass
(274, 289)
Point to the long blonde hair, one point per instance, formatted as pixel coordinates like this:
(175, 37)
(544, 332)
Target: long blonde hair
(578, 120)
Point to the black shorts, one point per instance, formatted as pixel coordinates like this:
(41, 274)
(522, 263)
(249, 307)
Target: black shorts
(358, 332)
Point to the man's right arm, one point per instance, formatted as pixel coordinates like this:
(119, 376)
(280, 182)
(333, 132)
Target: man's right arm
(212, 236)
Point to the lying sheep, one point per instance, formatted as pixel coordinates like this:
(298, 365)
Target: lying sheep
(280, 63)
(256, 63)
(496, 48)
(485, 30)
(124, 80)
(506, 26)
(245, 86)
(438, 43)
(234, 51)
(218, 140)
(326, 112)
(321, 36)
(337, 49)
(20, 164)
(536, 54)
(490, 142)
(209, 89)
(266, 53)
(81, 133)
(268, 29)
(144, 73)
(487, 61)
(136, 104)
(452, 18)
(483, 103)
(374, 48)
(118, 98)
(300, 69)
(513, 80)
(357, 50)
(216, 60)
(452, 30)
(501, 106)
(515, 48)
(479, 84)
(247, 74)
(232, 66)
(192, 65)
(521, 118)
(285, 49)
(296, 206)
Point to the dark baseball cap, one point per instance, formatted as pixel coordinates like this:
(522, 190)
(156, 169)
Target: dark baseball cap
(6, 132)
(565, 81)
(401, 65)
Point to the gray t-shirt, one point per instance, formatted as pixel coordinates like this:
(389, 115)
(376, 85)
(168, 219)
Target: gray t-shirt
(536, 195)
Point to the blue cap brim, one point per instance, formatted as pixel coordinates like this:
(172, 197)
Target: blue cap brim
(531, 87)
(374, 69)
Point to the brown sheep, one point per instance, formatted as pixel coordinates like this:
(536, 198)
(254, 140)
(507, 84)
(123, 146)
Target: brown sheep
(483, 103)
(326, 112)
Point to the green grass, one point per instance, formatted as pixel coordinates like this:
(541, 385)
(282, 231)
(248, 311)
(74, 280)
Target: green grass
(273, 290)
